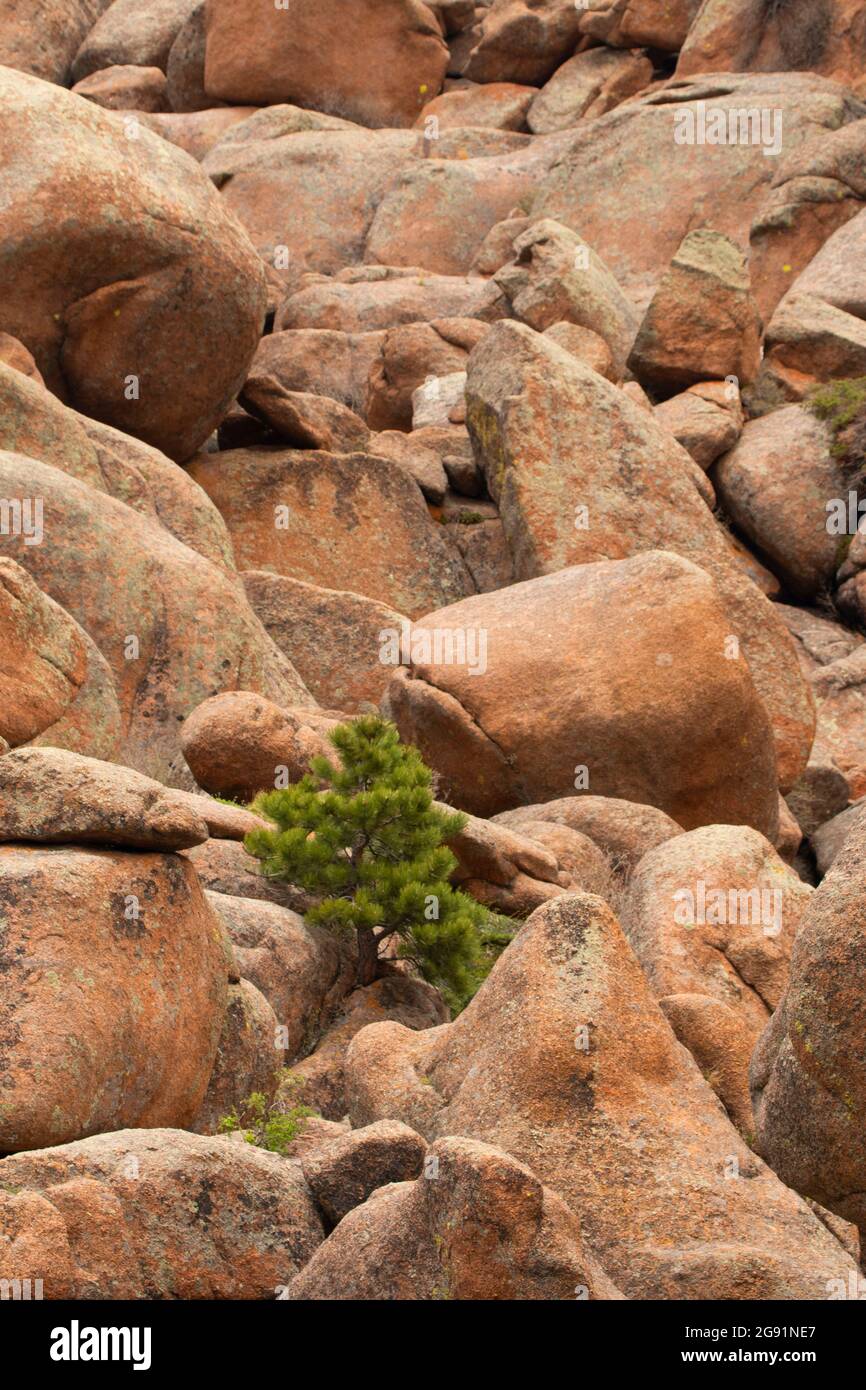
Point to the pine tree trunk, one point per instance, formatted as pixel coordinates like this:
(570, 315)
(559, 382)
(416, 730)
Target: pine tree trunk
(368, 957)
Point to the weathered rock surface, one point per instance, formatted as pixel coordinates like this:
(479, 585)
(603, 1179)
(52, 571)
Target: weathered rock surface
(660, 741)
(480, 1226)
(131, 238)
(564, 1060)
(714, 914)
(375, 62)
(323, 518)
(55, 687)
(580, 473)
(808, 1083)
(115, 1019)
(238, 744)
(158, 1214)
(52, 796)
(343, 1174)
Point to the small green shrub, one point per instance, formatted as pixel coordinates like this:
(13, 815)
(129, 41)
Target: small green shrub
(263, 1125)
(842, 406)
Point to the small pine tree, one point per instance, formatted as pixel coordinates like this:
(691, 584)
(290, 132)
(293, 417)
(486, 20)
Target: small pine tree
(365, 839)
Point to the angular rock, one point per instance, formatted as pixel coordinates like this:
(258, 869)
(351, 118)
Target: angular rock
(343, 1174)
(184, 69)
(132, 34)
(321, 517)
(521, 41)
(702, 323)
(125, 88)
(478, 1226)
(808, 1080)
(556, 277)
(375, 298)
(159, 1214)
(663, 189)
(114, 996)
(335, 637)
(375, 62)
(707, 420)
(747, 36)
(500, 105)
(408, 355)
(659, 742)
(588, 85)
(580, 474)
(564, 1059)
(304, 421)
(775, 485)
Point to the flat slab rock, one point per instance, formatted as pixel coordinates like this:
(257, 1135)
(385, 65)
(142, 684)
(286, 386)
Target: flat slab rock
(57, 797)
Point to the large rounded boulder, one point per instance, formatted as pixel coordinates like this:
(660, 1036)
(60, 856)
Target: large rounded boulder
(140, 297)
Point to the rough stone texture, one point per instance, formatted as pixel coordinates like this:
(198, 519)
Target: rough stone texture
(323, 518)
(746, 36)
(374, 298)
(56, 797)
(775, 485)
(225, 867)
(521, 41)
(627, 1132)
(731, 949)
(557, 277)
(303, 972)
(125, 88)
(702, 323)
(115, 1019)
(660, 742)
(343, 1174)
(129, 32)
(833, 659)
(663, 190)
(43, 36)
(372, 61)
(588, 85)
(332, 637)
(623, 23)
(55, 687)
(707, 420)
(303, 420)
(127, 238)
(173, 626)
(236, 743)
(499, 105)
(407, 356)
(829, 838)
(481, 1227)
(184, 67)
(624, 830)
(153, 1214)
(412, 1003)
(247, 1059)
(808, 1078)
(580, 473)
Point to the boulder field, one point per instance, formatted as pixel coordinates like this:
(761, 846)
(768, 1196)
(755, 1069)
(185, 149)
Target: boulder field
(492, 374)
